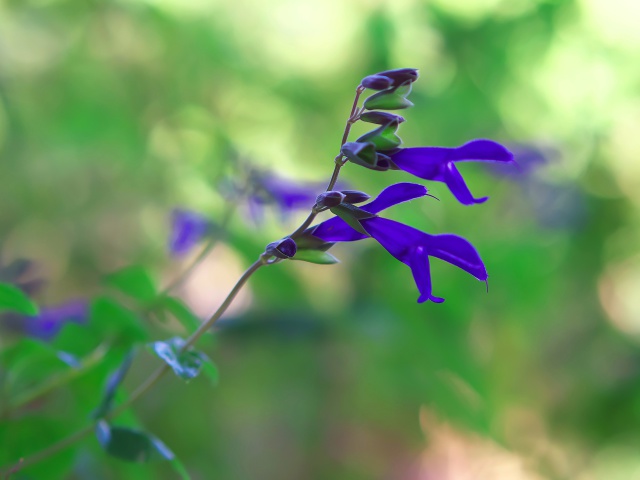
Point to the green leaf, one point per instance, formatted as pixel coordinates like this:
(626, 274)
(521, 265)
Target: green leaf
(392, 99)
(114, 380)
(135, 282)
(187, 364)
(315, 256)
(131, 445)
(15, 300)
(181, 312)
(114, 320)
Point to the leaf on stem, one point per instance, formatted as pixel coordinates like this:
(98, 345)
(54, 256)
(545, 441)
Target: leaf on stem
(185, 364)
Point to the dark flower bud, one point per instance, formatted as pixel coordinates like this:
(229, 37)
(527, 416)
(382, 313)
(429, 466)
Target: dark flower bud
(381, 118)
(400, 75)
(376, 82)
(329, 199)
(285, 248)
(354, 196)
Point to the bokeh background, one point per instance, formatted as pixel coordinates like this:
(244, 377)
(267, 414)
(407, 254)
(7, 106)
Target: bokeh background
(113, 113)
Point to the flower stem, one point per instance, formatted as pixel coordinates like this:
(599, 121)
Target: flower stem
(144, 387)
(160, 371)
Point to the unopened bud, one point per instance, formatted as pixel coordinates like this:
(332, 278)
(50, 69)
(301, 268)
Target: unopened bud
(285, 248)
(354, 196)
(329, 199)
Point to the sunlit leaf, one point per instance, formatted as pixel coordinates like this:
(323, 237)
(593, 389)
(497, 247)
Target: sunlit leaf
(187, 364)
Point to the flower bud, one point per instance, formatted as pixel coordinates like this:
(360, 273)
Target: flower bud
(329, 199)
(400, 75)
(354, 196)
(285, 248)
(381, 118)
(376, 82)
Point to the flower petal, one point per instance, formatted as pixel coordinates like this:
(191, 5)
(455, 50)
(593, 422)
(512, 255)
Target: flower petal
(458, 187)
(419, 263)
(457, 251)
(336, 230)
(187, 229)
(395, 194)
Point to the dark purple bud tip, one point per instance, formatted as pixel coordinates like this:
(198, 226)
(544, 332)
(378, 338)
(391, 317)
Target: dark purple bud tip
(400, 75)
(381, 118)
(354, 196)
(285, 248)
(376, 82)
(329, 199)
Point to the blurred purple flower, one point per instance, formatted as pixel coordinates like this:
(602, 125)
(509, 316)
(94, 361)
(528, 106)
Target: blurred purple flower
(187, 230)
(407, 244)
(528, 159)
(50, 320)
(269, 189)
(438, 164)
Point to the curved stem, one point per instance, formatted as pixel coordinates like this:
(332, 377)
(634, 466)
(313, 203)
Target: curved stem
(160, 371)
(143, 388)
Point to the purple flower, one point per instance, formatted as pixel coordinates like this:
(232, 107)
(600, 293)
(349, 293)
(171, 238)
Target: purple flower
(50, 320)
(288, 195)
(438, 164)
(412, 247)
(187, 229)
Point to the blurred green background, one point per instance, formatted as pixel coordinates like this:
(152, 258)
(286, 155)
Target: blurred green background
(113, 113)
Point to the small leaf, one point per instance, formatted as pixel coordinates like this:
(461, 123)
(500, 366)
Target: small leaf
(316, 256)
(181, 312)
(392, 99)
(14, 300)
(135, 282)
(131, 445)
(352, 214)
(187, 364)
(114, 380)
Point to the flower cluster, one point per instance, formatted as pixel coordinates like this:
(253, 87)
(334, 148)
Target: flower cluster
(380, 150)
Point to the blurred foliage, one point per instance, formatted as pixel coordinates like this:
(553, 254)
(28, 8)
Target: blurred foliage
(114, 113)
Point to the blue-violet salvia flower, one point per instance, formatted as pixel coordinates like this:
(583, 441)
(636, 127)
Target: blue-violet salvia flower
(409, 245)
(50, 320)
(287, 195)
(187, 230)
(438, 164)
